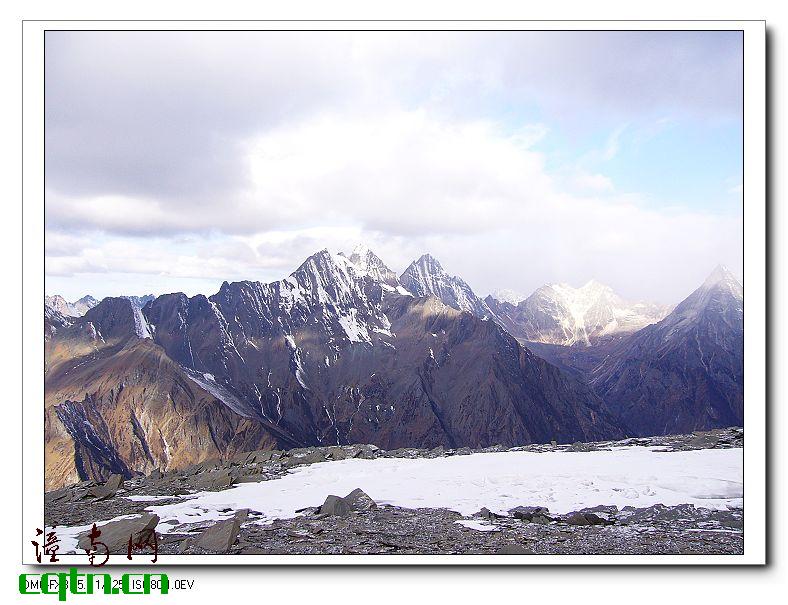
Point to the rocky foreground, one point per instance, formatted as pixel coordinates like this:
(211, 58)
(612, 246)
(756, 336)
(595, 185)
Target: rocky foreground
(355, 524)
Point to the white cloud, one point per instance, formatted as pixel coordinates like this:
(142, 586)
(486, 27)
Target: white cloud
(203, 158)
(585, 181)
(471, 193)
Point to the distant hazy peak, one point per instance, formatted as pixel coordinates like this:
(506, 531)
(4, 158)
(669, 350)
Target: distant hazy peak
(508, 296)
(720, 275)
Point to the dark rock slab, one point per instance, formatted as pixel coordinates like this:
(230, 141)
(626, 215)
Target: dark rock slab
(584, 518)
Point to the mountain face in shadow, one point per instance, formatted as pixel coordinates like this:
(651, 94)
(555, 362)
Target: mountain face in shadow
(685, 372)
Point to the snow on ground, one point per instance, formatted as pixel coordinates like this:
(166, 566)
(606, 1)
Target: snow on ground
(477, 525)
(561, 481)
(144, 498)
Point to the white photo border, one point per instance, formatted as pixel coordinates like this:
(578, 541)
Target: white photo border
(754, 252)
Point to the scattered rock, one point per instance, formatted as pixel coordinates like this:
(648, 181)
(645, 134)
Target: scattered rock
(514, 549)
(185, 546)
(308, 457)
(594, 519)
(357, 501)
(336, 453)
(576, 519)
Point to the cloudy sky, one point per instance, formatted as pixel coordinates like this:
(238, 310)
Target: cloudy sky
(178, 160)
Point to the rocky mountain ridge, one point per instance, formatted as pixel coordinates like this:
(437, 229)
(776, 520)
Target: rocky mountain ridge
(342, 351)
(330, 354)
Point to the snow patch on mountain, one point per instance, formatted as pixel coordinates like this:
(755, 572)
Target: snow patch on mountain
(141, 328)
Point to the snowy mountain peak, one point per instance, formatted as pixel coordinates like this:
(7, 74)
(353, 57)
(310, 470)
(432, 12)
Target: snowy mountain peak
(326, 268)
(721, 275)
(68, 309)
(720, 298)
(565, 315)
(508, 296)
(360, 250)
(594, 287)
(371, 264)
(429, 262)
(426, 277)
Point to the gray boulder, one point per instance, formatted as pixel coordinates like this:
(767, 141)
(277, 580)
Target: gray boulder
(115, 534)
(215, 480)
(486, 513)
(220, 537)
(334, 506)
(358, 500)
(527, 513)
(576, 519)
(108, 489)
(585, 518)
(355, 501)
(595, 519)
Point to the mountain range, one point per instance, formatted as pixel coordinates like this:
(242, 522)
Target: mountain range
(345, 351)
(79, 307)
(563, 315)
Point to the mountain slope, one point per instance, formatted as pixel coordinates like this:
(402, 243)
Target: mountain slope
(685, 372)
(116, 403)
